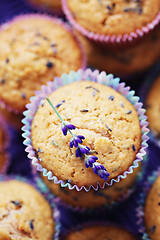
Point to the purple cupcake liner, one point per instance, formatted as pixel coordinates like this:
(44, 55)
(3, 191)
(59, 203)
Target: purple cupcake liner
(155, 72)
(141, 202)
(95, 76)
(114, 203)
(59, 21)
(92, 223)
(116, 39)
(41, 187)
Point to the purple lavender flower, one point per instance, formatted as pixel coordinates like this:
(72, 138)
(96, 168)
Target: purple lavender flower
(100, 170)
(89, 160)
(66, 127)
(75, 140)
(81, 149)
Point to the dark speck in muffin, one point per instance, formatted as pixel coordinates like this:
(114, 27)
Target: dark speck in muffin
(122, 105)
(54, 46)
(153, 228)
(129, 112)
(133, 147)
(23, 95)
(88, 87)
(108, 128)
(108, 7)
(31, 224)
(36, 153)
(2, 81)
(54, 143)
(36, 43)
(111, 97)
(7, 60)
(49, 64)
(40, 150)
(159, 203)
(60, 103)
(84, 110)
(96, 89)
(17, 203)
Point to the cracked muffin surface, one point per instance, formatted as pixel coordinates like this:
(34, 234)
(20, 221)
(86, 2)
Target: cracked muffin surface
(24, 213)
(114, 16)
(33, 50)
(107, 120)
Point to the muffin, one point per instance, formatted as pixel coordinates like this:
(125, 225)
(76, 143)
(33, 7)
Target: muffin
(99, 113)
(124, 61)
(100, 233)
(24, 212)
(93, 199)
(4, 141)
(34, 49)
(153, 107)
(49, 5)
(112, 21)
(12, 119)
(151, 211)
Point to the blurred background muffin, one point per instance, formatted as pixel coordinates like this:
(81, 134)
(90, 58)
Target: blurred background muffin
(53, 6)
(112, 22)
(4, 146)
(24, 212)
(131, 59)
(153, 107)
(34, 49)
(152, 211)
(100, 233)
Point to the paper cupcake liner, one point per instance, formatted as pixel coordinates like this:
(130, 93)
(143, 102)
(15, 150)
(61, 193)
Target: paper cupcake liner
(41, 187)
(114, 203)
(141, 202)
(127, 37)
(54, 19)
(144, 91)
(95, 76)
(92, 223)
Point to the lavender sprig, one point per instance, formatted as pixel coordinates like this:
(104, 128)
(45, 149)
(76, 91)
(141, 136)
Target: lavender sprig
(76, 141)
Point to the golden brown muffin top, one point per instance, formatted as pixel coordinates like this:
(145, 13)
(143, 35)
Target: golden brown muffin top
(24, 213)
(153, 107)
(107, 120)
(152, 211)
(100, 233)
(34, 50)
(114, 16)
